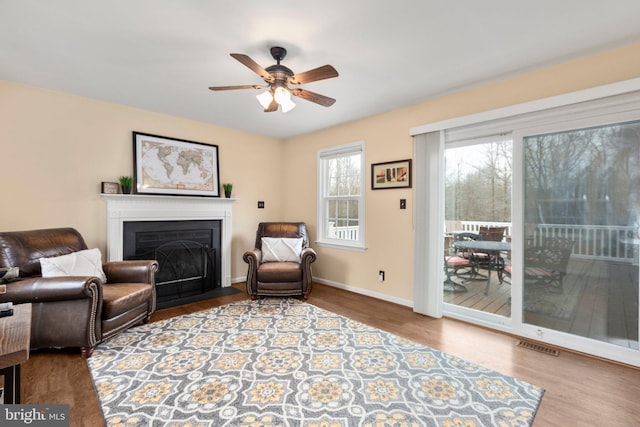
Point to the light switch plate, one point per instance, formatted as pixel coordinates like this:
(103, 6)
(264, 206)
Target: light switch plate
(403, 203)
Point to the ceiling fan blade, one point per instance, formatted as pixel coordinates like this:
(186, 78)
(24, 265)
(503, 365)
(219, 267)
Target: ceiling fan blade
(237, 87)
(272, 107)
(320, 73)
(325, 101)
(253, 66)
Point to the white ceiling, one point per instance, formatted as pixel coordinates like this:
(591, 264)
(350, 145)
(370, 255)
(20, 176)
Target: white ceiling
(162, 55)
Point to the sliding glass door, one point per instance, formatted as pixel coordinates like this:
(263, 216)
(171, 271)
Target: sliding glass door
(581, 213)
(529, 223)
(477, 211)
(566, 204)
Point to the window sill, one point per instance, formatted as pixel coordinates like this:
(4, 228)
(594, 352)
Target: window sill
(336, 245)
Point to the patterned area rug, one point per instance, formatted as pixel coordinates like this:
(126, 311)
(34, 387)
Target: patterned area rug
(282, 362)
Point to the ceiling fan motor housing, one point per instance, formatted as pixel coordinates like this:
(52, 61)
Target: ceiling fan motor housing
(280, 73)
(278, 53)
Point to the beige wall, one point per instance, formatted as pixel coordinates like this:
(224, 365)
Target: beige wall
(55, 149)
(389, 235)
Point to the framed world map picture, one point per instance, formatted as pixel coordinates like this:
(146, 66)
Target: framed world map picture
(175, 167)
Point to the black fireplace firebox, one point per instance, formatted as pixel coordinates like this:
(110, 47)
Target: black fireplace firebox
(188, 254)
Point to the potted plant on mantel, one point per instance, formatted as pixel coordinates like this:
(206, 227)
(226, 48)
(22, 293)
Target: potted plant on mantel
(227, 190)
(125, 184)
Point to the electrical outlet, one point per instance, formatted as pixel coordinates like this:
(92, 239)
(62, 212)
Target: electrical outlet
(261, 205)
(381, 275)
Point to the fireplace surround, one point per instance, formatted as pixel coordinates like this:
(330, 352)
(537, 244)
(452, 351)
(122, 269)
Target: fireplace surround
(124, 208)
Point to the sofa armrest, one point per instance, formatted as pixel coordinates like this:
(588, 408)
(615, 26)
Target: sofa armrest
(40, 289)
(253, 258)
(134, 271)
(308, 256)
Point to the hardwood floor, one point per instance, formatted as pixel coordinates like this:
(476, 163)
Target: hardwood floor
(580, 391)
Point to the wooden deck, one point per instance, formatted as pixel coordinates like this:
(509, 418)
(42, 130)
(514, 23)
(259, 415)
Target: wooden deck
(599, 301)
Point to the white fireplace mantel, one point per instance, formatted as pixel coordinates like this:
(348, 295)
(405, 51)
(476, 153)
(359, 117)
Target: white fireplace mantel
(123, 208)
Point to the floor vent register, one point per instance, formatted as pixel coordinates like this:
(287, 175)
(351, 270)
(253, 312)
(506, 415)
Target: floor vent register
(539, 348)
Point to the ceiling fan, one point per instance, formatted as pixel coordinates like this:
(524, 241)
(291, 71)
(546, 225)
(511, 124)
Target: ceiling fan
(278, 78)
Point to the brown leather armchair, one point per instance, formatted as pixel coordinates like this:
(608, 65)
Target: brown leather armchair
(279, 278)
(75, 311)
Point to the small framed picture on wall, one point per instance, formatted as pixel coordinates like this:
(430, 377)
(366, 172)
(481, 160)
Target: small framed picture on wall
(396, 174)
(110, 188)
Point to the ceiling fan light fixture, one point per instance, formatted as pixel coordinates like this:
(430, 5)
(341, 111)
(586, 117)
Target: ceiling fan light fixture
(281, 95)
(265, 99)
(287, 105)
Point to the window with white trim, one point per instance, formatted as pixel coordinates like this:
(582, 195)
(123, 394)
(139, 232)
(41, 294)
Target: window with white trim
(341, 196)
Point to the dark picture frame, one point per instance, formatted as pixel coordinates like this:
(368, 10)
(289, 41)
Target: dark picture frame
(176, 167)
(396, 174)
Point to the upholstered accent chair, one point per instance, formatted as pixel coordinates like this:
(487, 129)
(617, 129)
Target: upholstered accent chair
(74, 311)
(280, 263)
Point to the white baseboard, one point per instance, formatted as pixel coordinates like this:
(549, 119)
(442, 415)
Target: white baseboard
(377, 295)
(239, 279)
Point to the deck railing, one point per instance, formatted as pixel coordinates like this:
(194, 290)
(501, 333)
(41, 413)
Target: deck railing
(603, 242)
(612, 243)
(347, 233)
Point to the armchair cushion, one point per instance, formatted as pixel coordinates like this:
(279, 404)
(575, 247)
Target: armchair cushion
(274, 272)
(87, 262)
(121, 297)
(281, 249)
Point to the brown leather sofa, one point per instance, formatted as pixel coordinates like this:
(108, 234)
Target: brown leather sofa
(279, 278)
(75, 311)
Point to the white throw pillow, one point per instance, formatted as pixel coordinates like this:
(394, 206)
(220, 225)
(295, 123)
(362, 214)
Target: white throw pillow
(82, 263)
(279, 249)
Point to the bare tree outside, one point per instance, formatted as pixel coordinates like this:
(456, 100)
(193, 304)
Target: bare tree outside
(343, 190)
(478, 182)
(582, 176)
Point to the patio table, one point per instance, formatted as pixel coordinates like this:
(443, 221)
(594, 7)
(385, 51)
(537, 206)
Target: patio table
(496, 263)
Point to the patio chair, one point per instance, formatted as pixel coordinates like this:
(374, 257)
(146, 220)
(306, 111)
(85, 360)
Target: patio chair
(452, 266)
(494, 234)
(546, 264)
(478, 259)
